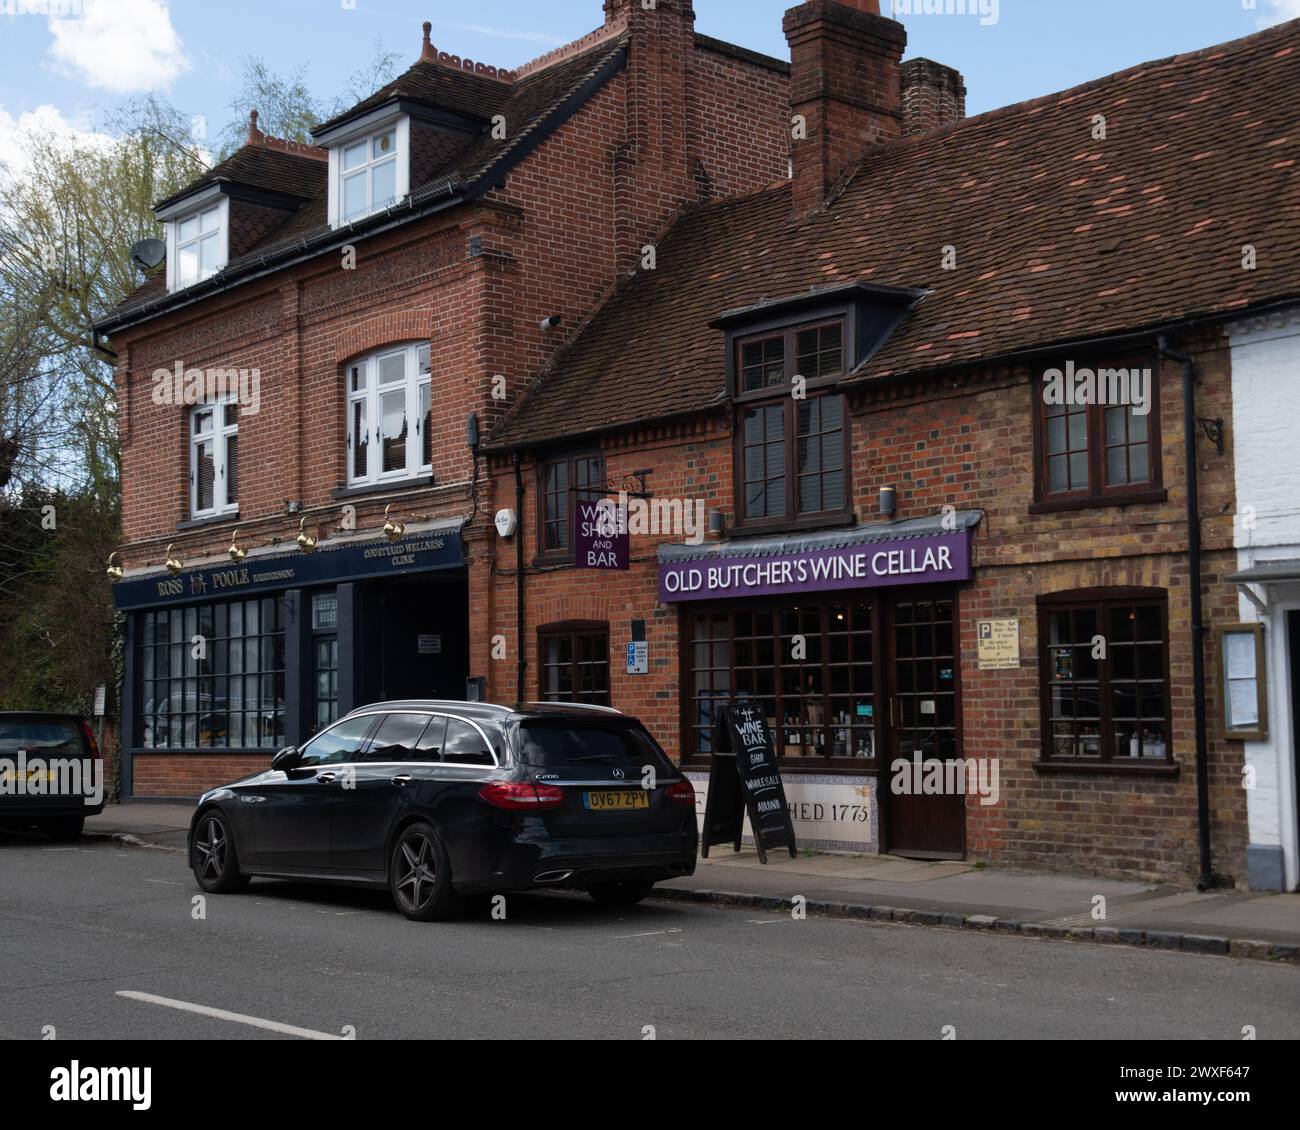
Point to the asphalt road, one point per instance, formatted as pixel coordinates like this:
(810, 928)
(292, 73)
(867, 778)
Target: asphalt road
(81, 926)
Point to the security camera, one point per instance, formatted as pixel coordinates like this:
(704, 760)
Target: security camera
(550, 323)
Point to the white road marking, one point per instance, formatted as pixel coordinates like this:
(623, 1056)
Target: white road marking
(234, 1017)
(649, 934)
(163, 882)
(765, 921)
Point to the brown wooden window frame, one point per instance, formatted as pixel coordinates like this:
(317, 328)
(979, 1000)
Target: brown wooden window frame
(824, 604)
(573, 632)
(1101, 602)
(570, 461)
(1097, 492)
(817, 388)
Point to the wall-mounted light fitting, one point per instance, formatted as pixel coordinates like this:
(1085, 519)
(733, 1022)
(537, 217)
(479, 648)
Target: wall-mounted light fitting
(393, 531)
(174, 564)
(306, 542)
(888, 501)
(115, 570)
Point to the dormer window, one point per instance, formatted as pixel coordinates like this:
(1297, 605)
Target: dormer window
(369, 170)
(198, 244)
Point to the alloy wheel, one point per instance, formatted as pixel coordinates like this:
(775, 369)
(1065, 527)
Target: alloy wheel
(416, 882)
(211, 846)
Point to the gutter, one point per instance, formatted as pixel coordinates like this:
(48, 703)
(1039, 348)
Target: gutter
(456, 192)
(521, 664)
(1206, 879)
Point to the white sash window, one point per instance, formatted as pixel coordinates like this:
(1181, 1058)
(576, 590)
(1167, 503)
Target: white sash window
(389, 398)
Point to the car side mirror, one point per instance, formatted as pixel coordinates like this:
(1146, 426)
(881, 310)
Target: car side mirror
(286, 759)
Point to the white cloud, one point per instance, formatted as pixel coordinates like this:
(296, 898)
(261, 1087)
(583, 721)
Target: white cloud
(124, 46)
(1279, 10)
(44, 121)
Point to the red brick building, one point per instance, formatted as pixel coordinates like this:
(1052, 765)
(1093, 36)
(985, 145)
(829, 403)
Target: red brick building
(811, 306)
(918, 549)
(334, 324)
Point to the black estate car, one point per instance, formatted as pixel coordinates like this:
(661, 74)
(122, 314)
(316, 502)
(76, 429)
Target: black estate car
(439, 799)
(58, 760)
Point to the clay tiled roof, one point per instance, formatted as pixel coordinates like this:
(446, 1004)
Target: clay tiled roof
(261, 167)
(1059, 237)
(532, 105)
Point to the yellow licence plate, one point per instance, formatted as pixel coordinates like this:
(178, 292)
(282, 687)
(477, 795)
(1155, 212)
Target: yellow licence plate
(615, 800)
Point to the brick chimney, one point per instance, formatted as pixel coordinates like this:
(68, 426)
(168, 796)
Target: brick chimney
(653, 168)
(933, 96)
(846, 83)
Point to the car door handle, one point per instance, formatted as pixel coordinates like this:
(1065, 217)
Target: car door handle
(325, 778)
(401, 781)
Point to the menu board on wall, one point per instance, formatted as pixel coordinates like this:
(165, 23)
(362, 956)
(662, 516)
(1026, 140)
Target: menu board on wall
(744, 778)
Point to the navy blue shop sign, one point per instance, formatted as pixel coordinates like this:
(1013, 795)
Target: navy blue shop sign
(416, 554)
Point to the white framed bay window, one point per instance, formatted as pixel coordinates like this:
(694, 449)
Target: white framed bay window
(390, 404)
(214, 459)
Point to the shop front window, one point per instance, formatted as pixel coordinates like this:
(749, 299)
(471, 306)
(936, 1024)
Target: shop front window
(810, 667)
(211, 676)
(325, 657)
(1105, 680)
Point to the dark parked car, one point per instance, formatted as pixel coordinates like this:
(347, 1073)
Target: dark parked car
(47, 804)
(439, 799)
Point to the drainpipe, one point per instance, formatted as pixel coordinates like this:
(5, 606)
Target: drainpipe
(522, 663)
(1198, 623)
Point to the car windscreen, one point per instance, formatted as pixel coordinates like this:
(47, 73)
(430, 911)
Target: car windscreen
(575, 745)
(39, 738)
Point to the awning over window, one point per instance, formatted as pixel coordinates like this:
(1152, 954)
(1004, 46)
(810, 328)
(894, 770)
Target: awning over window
(1269, 572)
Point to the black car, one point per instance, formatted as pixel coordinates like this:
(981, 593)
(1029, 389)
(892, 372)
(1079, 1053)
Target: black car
(441, 799)
(61, 770)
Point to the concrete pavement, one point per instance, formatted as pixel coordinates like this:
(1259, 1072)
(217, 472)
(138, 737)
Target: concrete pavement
(957, 895)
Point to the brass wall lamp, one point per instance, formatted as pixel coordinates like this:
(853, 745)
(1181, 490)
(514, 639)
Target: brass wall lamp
(306, 542)
(236, 551)
(115, 570)
(393, 531)
(174, 564)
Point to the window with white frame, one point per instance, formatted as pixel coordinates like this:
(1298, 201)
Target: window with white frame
(390, 403)
(368, 174)
(199, 245)
(214, 459)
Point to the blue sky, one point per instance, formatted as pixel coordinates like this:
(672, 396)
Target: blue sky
(68, 73)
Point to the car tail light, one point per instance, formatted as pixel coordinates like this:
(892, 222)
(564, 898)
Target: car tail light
(521, 796)
(681, 792)
(91, 744)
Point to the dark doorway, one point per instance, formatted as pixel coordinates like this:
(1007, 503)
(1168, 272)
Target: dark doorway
(924, 716)
(1293, 661)
(415, 638)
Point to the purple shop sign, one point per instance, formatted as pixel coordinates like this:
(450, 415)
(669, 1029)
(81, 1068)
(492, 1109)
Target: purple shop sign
(600, 536)
(912, 561)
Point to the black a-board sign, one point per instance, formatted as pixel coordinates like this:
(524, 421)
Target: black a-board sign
(744, 777)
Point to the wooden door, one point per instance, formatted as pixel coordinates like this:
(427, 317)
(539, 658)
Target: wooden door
(923, 719)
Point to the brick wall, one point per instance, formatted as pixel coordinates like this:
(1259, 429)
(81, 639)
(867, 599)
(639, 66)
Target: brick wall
(476, 283)
(964, 441)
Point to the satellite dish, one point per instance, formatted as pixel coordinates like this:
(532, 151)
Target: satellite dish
(148, 253)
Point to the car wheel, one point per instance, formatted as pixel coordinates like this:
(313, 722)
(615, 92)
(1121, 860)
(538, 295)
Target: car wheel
(419, 875)
(63, 828)
(216, 863)
(627, 893)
